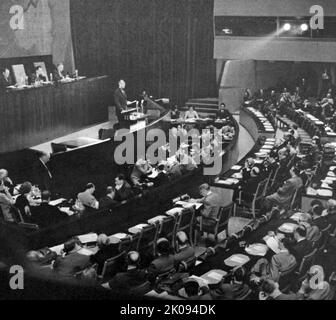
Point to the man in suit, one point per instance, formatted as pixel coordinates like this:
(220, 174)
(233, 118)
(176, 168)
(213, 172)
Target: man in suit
(5, 78)
(41, 173)
(46, 215)
(38, 75)
(223, 113)
(123, 189)
(302, 246)
(283, 196)
(108, 248)
(211, 202)
(120, 99)
(235, 290)
(74, 259)
(270, 291)
(87, 198)
(317, 219)
(59, 73)
(124, 282)
(165, 260)
(185, 250)
(108, 201)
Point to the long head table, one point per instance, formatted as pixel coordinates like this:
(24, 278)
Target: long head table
(33, 116)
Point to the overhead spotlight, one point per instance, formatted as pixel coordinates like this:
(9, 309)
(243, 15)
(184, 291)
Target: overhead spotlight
(304, 27)
(287, 26)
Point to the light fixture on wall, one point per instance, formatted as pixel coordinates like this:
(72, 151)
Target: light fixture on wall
(287, 26)
(304, 27)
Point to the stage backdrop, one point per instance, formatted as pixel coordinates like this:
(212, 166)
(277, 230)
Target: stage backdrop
(36, 27)
(163, 46)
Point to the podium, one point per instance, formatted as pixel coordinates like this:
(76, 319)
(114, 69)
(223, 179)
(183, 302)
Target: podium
(133, 120)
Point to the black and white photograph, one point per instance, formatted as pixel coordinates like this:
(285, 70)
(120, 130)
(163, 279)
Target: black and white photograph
(166, 155)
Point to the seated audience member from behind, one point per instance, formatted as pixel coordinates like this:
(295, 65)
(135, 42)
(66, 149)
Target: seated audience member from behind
(107, 248)
(87, 198)
(235, 289)
(165, 260)
(108, 201)
(223, 113)
(73, 261)
(123, 282)
(270, 291)
(301, 247)
(46, 215)
(185, 251)
(284, 195)
(123, 189)
(5, 78)
(195, 291)
(280, 262)
(317, 219)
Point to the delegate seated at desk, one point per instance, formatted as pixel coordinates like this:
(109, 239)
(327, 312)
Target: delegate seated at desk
(58, 73)
(191, 114)
(5, 78)
(38, 76)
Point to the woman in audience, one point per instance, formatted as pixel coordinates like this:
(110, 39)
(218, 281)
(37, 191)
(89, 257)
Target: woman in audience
(6, 203)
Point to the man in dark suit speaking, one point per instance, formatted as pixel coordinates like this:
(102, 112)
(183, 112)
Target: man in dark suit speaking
(120, 99)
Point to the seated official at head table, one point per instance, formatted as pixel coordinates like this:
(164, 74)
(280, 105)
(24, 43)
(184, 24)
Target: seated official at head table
(191, 114)
(5, 78)
(38, 76)
(223, 113)
(59, 73)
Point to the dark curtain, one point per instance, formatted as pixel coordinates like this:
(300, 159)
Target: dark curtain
(162, 46)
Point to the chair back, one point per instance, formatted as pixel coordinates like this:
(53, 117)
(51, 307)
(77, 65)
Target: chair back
(275, 176)
(317, 242)
(225, 214)
(307, 262)
(112, 265)
(261, 189)
(325, 238)
(168, 228)
(185, 222)
(147, 240)
(131, 243)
